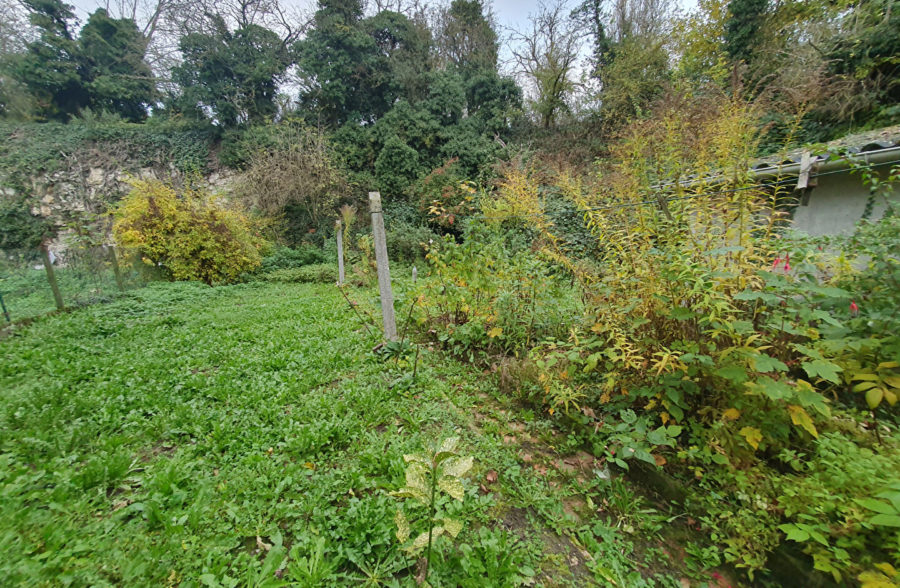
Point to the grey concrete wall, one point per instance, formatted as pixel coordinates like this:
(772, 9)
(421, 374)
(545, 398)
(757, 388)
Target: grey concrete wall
(836, 205)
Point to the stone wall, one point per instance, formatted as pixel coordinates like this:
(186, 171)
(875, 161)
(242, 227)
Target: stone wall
(82, 187)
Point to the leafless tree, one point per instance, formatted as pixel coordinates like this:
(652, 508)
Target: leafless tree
(638, 18)
(410, 8)
(547, 55)
(164, 22)
(14, 27)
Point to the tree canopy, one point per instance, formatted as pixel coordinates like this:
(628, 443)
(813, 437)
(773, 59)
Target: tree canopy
(102, 68)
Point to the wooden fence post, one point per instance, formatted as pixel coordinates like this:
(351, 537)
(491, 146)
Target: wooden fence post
(116, 270)
(51, 277)
(384, 272)
(340, 251)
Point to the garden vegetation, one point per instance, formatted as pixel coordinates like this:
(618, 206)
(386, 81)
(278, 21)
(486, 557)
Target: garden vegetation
(618, 363)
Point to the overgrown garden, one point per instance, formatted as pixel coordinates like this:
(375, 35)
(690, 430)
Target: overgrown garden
(618, 363)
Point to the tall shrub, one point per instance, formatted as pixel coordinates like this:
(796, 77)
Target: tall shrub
(297, 178)
(191, 234)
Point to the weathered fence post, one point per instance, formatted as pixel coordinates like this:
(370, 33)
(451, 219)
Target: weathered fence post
(115, 266)
(384, 272)
(340, 248)
(51, 277)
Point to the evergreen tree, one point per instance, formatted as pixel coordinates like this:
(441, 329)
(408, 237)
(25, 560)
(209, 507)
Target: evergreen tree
(233, 76)
(104, 68)
(345, 64)
(116, 76)
(51, 68)
(467, 38)
(743, 27)
(590, 14)
(404, 46)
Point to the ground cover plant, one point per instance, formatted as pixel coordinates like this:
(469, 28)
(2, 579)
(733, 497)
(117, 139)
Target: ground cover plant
(702, 336)
(247, 435)
(605, 295)
(86, 280)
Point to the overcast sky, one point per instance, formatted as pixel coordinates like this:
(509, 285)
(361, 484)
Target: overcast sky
(510, 13)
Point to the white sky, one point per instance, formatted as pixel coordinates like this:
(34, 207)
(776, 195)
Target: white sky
(510, 13)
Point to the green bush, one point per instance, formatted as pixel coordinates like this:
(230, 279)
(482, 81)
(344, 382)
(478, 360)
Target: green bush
(21, 228)
(286, 258)
(478, 299)
(396, 167)
(320, 273)
(444, 195)
(407, 242)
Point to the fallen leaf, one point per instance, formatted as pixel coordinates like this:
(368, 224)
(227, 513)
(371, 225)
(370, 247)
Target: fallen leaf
(491, 477)
(421, 570)
(660, 460)
(120, 504)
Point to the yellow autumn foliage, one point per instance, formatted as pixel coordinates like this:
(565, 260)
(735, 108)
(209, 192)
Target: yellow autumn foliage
(189, 233)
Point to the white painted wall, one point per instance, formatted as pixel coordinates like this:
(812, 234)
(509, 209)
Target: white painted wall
(836, 205)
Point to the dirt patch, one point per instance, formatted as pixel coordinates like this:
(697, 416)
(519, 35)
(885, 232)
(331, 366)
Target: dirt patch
(161, 449)
(575, 559)
(575, 507)
(578, 464)
(205, 371)
(558, 547)
(516, 519)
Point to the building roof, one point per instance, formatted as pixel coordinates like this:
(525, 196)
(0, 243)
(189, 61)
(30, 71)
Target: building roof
(870, 149)
(852, 146)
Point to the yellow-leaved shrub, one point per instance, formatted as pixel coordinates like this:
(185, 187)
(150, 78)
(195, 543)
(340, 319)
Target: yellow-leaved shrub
(189, 233)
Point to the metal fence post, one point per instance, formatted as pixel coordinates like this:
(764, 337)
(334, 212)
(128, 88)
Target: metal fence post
(5, 310)
(384, 272)
(51, 276)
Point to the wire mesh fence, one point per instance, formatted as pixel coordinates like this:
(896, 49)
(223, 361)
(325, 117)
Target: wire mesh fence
(82, 275)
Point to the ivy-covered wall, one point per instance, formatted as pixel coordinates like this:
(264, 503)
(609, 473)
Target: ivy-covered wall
(84, 161)
(55, 170)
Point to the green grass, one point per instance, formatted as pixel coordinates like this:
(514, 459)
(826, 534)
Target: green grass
(27, 294)
(247, 435)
